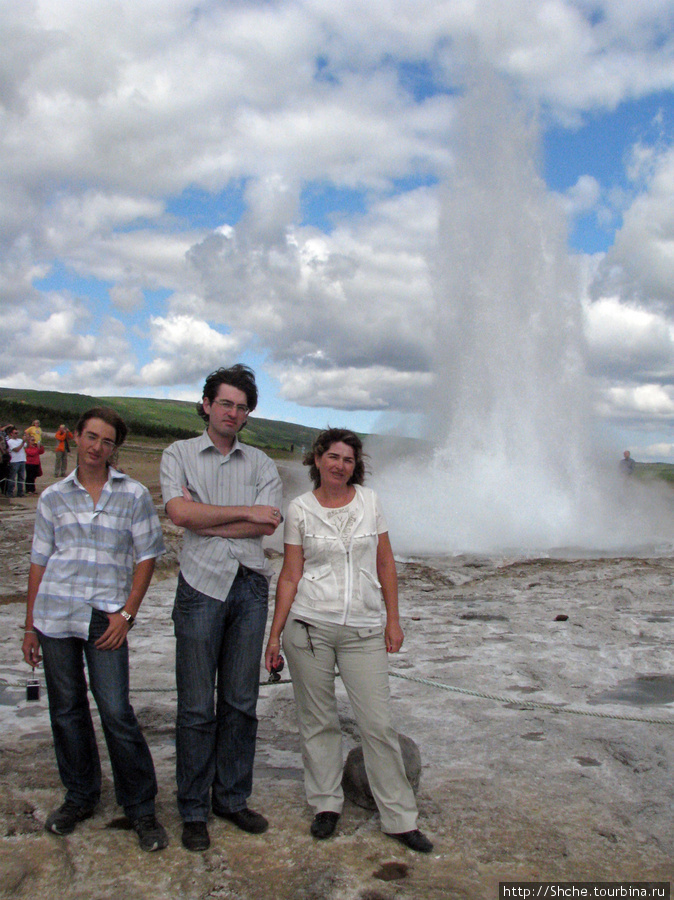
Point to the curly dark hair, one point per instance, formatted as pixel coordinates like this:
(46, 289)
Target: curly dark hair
(322, 444)
(238, 376)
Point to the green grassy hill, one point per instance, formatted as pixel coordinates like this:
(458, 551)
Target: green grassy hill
(147, 417)
(169, 420)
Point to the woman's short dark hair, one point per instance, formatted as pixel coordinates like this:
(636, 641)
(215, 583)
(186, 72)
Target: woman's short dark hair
(109, 416)
(322, 444)
(238, 376)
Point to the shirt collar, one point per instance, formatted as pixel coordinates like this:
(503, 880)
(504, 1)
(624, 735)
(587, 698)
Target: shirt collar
(205, 443)
(113, 474)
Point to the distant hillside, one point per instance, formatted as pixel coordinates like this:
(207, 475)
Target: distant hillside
(655, 471)
(165, 419)
(168, 420)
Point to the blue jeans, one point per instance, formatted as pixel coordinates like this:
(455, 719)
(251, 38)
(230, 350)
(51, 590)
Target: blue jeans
(215, 743)
(74, 739)
(17, 473)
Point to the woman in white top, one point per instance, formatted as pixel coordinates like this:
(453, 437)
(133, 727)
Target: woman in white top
(338, 566)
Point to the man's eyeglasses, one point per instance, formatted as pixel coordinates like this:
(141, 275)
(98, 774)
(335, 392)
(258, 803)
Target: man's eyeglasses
(228, 406)
(92, 438)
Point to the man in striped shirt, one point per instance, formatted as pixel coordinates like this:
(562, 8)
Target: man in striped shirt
(227, 496)
(96, 539)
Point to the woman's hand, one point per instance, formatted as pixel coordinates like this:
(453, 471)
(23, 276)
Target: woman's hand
(272, 653)
(394, 637)
(31, 649)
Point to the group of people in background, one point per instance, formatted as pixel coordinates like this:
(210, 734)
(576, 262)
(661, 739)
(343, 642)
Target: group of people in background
(97, 536)
(20, 457)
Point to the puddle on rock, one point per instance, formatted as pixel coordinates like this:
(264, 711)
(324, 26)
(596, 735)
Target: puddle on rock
(645, 690)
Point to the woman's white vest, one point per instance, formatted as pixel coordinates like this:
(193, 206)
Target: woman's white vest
(339, 584)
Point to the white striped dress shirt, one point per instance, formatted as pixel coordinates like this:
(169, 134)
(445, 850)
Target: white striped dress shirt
(244, 477)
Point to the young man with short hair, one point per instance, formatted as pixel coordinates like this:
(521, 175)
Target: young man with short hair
(96, 539)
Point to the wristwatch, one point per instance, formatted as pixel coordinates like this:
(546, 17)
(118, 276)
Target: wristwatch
(129, 618)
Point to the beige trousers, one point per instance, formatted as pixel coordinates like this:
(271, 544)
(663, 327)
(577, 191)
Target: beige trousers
(313, 651)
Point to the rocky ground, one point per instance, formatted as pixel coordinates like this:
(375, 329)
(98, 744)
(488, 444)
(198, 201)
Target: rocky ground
(499, 653)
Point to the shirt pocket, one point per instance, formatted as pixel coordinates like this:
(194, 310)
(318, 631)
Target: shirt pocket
(318, 587)
(370, 590)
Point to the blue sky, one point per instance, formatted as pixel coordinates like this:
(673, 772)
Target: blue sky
(187, 185)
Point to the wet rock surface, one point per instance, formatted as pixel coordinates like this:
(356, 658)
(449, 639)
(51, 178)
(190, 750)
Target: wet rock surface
(513, 785)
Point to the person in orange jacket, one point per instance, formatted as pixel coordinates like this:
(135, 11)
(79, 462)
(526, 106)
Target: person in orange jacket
(61, 463)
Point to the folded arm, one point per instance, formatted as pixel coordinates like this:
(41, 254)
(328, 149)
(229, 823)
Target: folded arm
(222, 521)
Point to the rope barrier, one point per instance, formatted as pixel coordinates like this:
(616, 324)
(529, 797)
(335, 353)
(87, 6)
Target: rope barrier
(524, 705)
(531, 704)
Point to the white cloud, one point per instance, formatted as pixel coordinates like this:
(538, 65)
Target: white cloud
(625, 341)
(126, 296)
(582, 197)
(373, 388)
(110, 112)
(358, 299)
(186, 348)
(641, 261)
(658, 451)
(645, 402)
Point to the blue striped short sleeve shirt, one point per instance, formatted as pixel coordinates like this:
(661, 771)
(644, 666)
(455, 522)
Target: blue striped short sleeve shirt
(89, 553)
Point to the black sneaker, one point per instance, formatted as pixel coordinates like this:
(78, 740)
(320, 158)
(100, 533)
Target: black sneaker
(416, 840)
(64, 819)
(195, 836)
(151, 835)
(245, 819)
(324, 825)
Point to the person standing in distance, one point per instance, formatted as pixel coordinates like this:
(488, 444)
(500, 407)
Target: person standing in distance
(62, 437)
(227, 497)
(626, 464)
(35, 431)
(97, 536)
(17, 463)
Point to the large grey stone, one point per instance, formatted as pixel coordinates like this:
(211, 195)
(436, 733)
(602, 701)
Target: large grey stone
(355, 783)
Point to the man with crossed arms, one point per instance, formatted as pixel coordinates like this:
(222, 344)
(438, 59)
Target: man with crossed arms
(227, 496)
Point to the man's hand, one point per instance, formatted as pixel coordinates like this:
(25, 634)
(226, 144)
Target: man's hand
(115, 634)
(31, 649)
(265, 515)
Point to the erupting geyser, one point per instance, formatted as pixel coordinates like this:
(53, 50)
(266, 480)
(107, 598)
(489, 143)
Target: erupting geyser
(514, 465)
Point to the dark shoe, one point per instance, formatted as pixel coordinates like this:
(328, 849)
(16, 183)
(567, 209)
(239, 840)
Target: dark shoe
(151, 835)
(195, 836)
(324, 825)
(416, 840)
(245, 819)
(64, 819)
